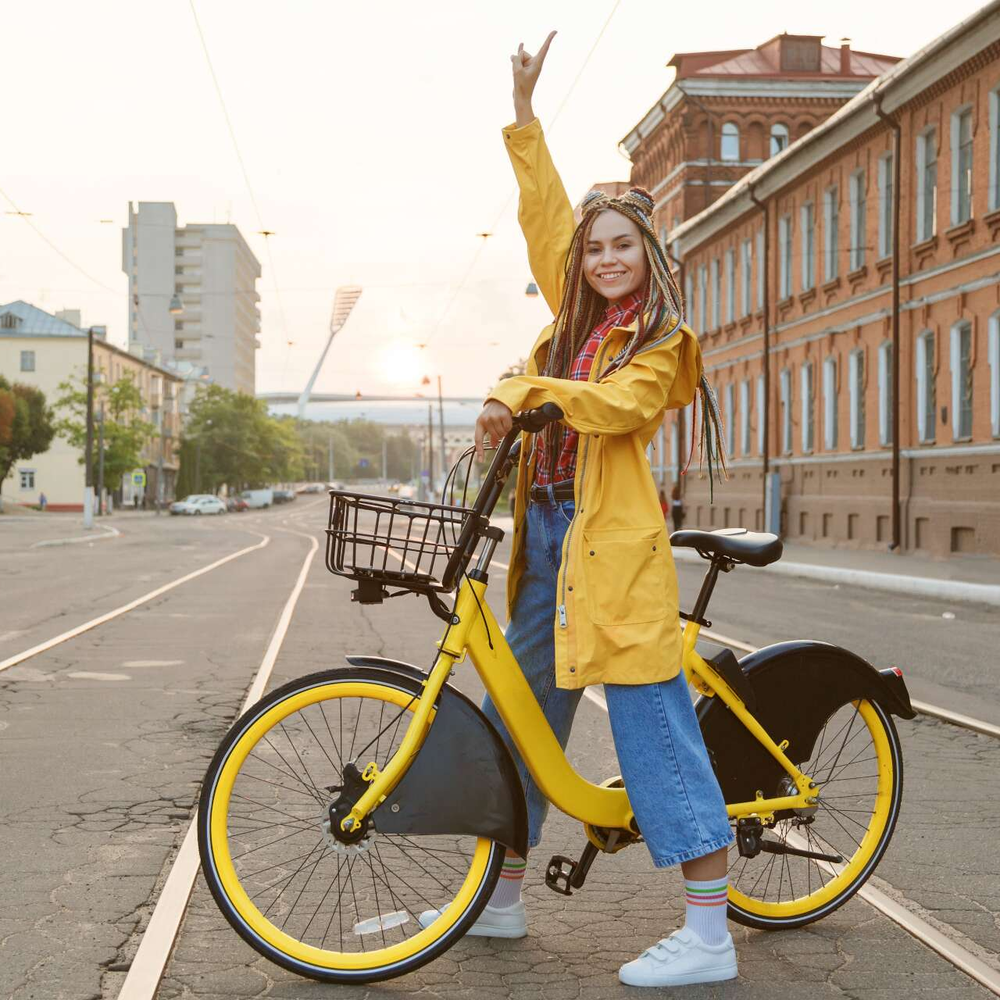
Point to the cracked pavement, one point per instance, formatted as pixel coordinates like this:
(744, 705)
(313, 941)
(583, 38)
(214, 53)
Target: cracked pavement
(100, 778)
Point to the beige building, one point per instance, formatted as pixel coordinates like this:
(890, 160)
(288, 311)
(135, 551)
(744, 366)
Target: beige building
(192, 294)
(43, 350)
(857, 357)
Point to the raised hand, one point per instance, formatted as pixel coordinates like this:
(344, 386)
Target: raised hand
(526, 69)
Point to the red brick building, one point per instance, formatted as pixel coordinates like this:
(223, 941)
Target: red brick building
(847, 291)
(727, 112)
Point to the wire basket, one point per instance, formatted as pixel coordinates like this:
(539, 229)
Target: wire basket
(392, 542)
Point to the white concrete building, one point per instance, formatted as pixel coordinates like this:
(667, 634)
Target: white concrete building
(44, 350)
(211, 272)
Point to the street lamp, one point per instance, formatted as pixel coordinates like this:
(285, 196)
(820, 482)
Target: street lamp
(532, 290)
(176, 307)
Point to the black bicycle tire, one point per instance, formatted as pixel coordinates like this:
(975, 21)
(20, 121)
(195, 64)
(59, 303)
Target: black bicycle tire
(432, 951)
(746, 919)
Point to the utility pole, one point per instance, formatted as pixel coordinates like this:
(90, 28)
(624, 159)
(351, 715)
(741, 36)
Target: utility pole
(430, 449)
(385, 459)
(160, 491)
(100, 462)
(444, 450)
(331, 477)
(88, 478)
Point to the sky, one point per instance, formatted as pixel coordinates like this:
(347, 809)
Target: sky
(370, 135)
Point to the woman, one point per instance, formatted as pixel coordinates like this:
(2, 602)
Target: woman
(676, 507)
(592, 590)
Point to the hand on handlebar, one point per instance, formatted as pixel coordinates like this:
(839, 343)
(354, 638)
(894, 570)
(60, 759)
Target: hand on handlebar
(495, 422)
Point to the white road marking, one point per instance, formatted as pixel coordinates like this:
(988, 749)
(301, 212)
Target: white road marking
(150, 960)
(107, 529)
(152, 663)
(125, 608)
(97, 675)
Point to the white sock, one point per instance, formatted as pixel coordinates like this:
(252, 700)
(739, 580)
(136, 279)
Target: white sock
(706, 909)
(508, 890)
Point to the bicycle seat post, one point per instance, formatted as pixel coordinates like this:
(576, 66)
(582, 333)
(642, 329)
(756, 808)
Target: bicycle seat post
(718, 564)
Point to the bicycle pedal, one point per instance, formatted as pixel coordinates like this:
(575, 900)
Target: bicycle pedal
(556, 873)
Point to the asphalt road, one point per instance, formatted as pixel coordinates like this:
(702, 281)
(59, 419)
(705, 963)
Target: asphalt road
(105, 739)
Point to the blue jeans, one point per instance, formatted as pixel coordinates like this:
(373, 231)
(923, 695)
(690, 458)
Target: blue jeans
(670, 782)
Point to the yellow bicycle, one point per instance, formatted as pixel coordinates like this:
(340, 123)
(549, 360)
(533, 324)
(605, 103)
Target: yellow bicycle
(346, 803)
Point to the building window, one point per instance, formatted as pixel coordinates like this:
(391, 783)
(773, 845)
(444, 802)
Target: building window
(885, 205)
(730, 146)
(8, 321)
(961, 380)
(27, 361)
(831, 233)
(730, 403)
(702, 295)
(961, 166)
(689, 299)
(808, 247)
(27, 477)
(994, 148)
(785, 256)
(747, 278)
(761, 422)
(745, 416)
(178, 344)
(926, 388)
(730, 285)
(808, 406)
(675, 449)
(779, 138)
(994, 352)
(856, 378)
(716, 293)
(786, 410)
(858, 221)
(830, 403)
(760, 268)
(926, 185)
(885, 392)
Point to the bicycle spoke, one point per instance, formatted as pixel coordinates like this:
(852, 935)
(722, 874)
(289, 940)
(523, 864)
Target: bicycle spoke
(333, 742)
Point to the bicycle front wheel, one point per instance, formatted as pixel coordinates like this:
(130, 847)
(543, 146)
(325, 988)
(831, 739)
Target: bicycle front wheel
(857, 763)
(334, 911)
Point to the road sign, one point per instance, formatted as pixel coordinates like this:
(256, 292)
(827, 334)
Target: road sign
(363, 462)
(138, 478)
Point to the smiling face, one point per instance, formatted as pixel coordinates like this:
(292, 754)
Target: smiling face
(614, 259)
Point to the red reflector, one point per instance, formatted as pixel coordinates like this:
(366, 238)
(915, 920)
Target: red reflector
(896, 671)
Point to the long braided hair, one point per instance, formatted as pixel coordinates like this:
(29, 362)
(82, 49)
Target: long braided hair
(661, 312)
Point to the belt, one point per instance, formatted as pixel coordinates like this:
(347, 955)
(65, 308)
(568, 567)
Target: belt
(561, 491)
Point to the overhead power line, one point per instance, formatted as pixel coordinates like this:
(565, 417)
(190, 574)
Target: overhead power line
(510, 197)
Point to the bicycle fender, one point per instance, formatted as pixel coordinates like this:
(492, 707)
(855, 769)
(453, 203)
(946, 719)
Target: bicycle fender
(462, 780)
(797, 686)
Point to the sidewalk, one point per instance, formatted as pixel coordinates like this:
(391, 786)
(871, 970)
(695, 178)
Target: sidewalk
(960, 578)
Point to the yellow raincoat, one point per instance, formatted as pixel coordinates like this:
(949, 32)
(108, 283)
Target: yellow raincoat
(617, 607)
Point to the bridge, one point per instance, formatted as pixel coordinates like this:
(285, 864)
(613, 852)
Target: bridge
(337, 397)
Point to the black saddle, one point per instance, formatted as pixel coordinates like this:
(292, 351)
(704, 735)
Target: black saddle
(755, 548)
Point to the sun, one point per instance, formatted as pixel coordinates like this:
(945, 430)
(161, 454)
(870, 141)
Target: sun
(399, 363)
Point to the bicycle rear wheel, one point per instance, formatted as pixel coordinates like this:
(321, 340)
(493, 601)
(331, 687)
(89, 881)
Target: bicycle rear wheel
(857, 763)
(329, 910)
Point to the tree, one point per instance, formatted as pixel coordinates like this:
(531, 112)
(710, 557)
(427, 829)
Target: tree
(126, 433)
(26, 427)
(231, 440)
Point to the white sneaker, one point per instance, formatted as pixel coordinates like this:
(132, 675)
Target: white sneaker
(681, 959)
(494, 921)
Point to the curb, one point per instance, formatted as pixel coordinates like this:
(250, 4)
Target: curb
(109, 532)
(918, 586)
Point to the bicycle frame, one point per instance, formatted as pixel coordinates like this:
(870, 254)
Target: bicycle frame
(474, 631)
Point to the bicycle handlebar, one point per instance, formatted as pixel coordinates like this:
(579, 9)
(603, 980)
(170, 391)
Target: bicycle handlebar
(530, 421)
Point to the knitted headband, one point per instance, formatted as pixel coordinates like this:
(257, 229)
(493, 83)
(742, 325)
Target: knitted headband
(637, 200)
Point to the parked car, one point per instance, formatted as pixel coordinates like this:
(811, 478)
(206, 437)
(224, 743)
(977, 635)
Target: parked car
(199, 504)
(258, 498)
(284, 496)
(311, 488)
(180, 506)
(236, 503)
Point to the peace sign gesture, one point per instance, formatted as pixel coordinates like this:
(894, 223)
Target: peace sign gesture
(526, 69)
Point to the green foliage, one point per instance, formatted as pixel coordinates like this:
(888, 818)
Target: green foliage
(231, 440)
(126, 433)
(354, 440)
(26, 426)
